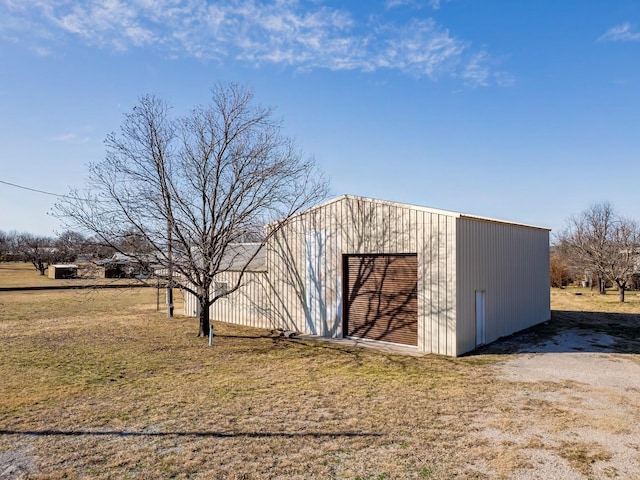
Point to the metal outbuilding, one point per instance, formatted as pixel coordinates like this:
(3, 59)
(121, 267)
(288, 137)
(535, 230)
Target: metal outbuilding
(62, 271)
(440, 281)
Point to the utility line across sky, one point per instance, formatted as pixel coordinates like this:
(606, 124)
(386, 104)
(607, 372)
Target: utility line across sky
(44, 192)
(33, 189)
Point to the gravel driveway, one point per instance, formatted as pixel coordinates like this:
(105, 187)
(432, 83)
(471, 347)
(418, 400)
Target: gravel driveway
(575, 413)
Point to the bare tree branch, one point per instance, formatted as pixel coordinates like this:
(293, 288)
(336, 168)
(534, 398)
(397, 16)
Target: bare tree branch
(601, 241)
(195, 187)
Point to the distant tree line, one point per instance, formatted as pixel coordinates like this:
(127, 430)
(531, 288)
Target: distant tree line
(600, 247)
(70, 246)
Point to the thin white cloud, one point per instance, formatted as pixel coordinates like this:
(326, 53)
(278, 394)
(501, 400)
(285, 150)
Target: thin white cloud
(421, 48)
(401, 3)
(477, 72)
(504, 79)
(105, 23)
(302, 35)
(620, 33)
(77, 137)
(65, 137)
(434, 4)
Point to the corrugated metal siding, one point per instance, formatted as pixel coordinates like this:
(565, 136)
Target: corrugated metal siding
(353, 225)
(303, 264)
(190, 304)
(511, 264)
(247, 305)
(436, 283)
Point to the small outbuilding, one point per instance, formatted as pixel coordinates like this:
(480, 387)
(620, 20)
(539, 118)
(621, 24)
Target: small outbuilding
(62, 271)
(440, 281)
(120, 265)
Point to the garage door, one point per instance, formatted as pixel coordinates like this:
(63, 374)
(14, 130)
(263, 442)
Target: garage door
(381, 297)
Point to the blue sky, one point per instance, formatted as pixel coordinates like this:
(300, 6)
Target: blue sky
(518, 110)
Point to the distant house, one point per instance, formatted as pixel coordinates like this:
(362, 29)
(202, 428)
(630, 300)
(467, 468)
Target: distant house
(127, 266)
(62, 271)
(440, 281)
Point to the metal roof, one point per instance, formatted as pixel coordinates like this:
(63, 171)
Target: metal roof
(448, 213)
(239, 255)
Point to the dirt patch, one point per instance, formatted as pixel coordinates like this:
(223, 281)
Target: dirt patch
(16, 463)
(574, 340)
(574, 331)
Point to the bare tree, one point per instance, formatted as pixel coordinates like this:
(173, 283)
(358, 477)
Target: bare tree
(560, 274)
(9, 246)
(96, 248)
(601, 241)
(5, 245)
(69, 245)
(194, 187)
(38, 250)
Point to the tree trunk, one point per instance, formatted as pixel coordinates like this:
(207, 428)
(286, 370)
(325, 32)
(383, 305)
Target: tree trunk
(621, 292)
(169, 299)
(602, 285)
(204, 319)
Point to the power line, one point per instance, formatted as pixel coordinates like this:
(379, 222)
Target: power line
(34, 189)
(58, 195)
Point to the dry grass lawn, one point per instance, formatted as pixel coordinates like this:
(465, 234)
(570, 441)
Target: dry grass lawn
(585, 300)
(18, 274)
(97, 384)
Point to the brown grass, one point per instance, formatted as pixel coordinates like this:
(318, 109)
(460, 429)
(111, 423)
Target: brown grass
(586, 300)
(102, 385)
(19, 274)
(581, 455)
(98, 384)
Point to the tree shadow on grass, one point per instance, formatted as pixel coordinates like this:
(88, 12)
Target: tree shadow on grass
(572, 332)
(210, 434)
(306, 342)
